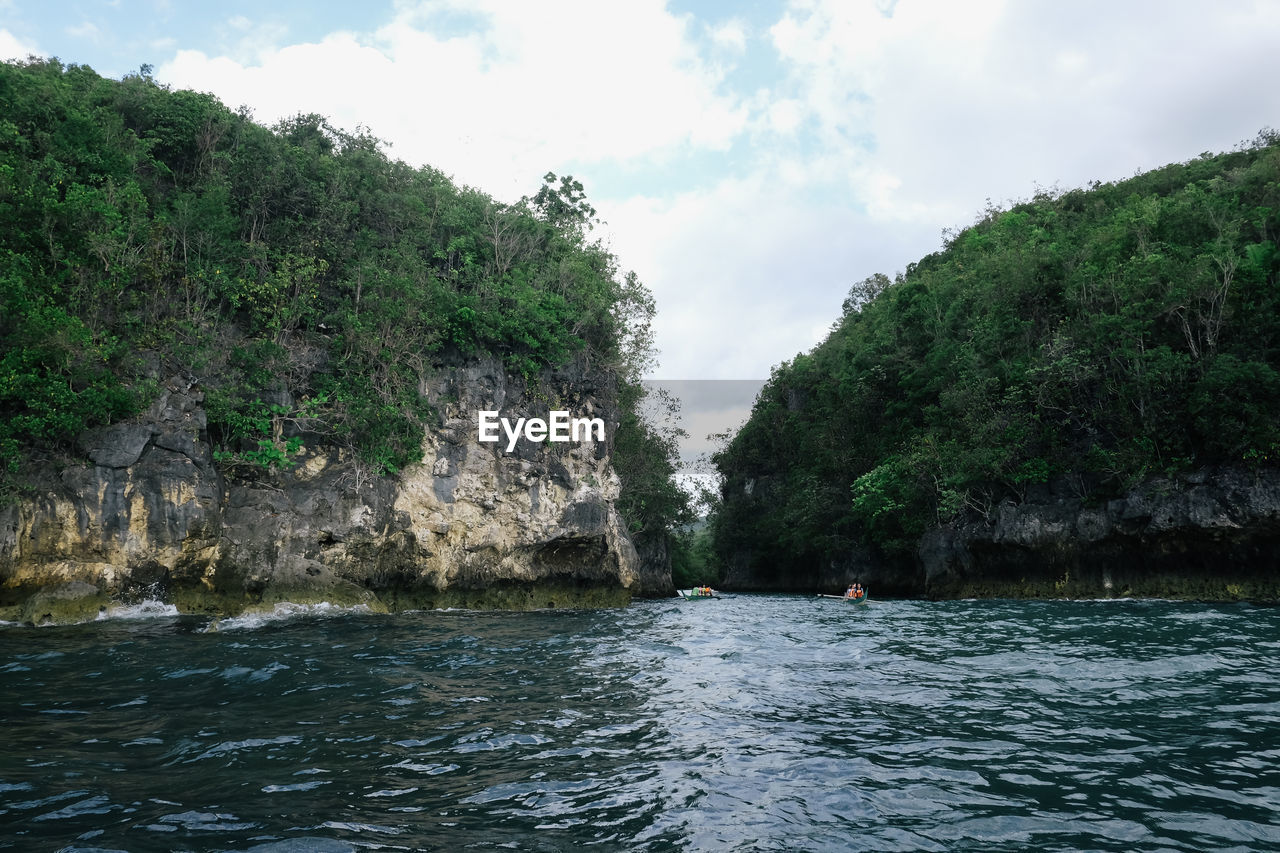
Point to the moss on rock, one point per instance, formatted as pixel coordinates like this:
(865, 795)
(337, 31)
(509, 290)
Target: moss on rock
(65, 604)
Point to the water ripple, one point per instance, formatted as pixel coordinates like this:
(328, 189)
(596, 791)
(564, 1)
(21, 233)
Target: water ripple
(747, 723)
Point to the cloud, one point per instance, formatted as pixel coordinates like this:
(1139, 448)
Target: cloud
(889, 125)
(940, 105)
(334, 78)
(85, 30)
(751, 271)
(730, 35)
(12, 47)
(497, 103)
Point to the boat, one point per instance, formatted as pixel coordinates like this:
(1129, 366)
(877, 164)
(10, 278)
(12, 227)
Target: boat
(861, 601)
(697, 593)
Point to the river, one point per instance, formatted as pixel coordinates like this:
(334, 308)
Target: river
(747, 723)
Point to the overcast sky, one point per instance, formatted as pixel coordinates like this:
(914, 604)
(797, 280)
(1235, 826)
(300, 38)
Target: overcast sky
(752, 159)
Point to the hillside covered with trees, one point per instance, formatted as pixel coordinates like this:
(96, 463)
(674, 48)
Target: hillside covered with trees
(1079, 343)
(310, 282)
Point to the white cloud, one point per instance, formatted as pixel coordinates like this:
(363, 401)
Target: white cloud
(12, 47)
(749, 272)
(976, 100)
(730, 36)
(85, 30)
(785, 115)
(499, 105)
(296, 79)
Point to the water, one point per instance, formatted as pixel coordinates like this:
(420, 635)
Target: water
(745, 723)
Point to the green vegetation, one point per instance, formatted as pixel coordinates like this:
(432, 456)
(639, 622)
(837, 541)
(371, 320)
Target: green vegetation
(693, 558)
(1086, 339)
(310, 283)
(647, 461)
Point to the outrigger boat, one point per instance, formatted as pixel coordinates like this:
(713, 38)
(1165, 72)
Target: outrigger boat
(861, 600)
(698, 593)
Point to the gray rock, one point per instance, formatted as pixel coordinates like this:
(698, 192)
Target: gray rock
(156, 510)
(116, 446)
(1218, 525)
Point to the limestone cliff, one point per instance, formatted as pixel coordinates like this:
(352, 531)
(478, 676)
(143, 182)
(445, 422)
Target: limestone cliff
(150, 513)
(1213, 534)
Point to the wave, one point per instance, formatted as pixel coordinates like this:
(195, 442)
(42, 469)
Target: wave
(152, 609)
(282, 612)
(149, 609)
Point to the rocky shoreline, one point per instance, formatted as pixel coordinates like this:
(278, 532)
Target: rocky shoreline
(148, 513)
(1211, 535)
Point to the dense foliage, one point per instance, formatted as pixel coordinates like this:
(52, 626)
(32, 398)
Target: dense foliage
(648, 453)
(1086, 339)
(311, 283)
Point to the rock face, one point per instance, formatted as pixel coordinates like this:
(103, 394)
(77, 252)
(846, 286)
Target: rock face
(1214, 534)
(653, 573)
(151, 514)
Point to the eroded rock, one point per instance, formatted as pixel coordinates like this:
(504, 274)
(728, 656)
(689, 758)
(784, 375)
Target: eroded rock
(471, 524)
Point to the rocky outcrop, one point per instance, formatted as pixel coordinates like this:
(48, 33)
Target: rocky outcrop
(653, 573)
(151, 514)
(1214, 534)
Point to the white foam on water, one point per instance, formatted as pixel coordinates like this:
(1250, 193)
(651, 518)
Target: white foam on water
(149, 609)
(282, 612)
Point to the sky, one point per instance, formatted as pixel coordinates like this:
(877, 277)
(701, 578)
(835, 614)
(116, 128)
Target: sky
(751, 160)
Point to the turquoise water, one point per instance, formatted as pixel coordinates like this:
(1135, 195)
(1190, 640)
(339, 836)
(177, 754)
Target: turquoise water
(743, 723)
